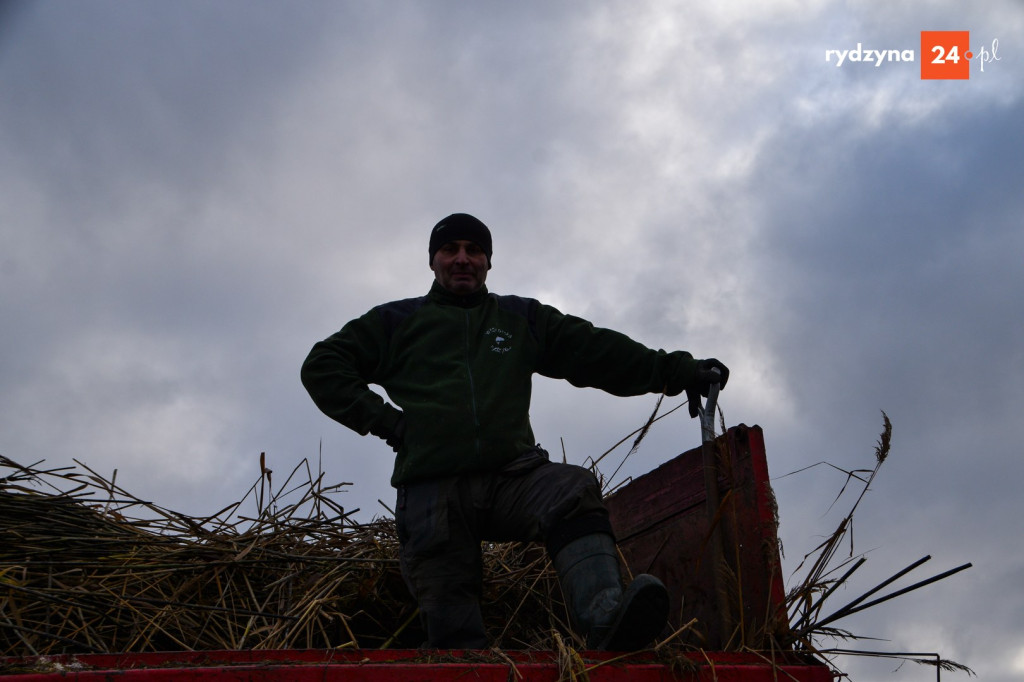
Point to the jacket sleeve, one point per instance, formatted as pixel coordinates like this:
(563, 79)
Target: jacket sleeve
(337, 373)
(574, 349)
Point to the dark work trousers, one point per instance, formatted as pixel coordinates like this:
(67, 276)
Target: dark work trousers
(442, 522)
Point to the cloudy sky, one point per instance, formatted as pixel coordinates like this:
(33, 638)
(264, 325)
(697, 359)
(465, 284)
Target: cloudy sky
(193, 193)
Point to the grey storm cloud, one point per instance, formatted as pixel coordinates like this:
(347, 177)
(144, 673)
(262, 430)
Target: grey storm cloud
(193, 193)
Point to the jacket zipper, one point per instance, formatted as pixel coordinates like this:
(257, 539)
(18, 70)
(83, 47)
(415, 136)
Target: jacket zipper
(472, 387)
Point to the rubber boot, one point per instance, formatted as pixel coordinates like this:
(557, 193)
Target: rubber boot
(454, 626)
(609, 618)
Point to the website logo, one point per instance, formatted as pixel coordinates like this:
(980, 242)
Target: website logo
(944, 55)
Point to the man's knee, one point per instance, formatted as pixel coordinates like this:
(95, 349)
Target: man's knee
(568, 504)
(564, 531)
(574, 491)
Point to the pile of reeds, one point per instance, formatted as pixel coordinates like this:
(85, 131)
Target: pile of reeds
(85, 566)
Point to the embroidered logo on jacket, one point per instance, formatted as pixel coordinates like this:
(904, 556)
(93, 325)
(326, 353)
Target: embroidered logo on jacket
(499, 339)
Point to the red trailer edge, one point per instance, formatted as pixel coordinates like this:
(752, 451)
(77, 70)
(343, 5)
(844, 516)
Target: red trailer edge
(411, 666)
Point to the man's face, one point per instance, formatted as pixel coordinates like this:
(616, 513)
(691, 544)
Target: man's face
(460, 267)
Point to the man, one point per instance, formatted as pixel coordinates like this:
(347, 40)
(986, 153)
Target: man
(458, 364)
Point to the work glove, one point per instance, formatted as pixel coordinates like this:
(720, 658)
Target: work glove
(394, 437)
(394, 440)
(703, 378)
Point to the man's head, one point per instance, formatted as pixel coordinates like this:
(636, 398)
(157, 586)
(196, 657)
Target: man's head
(460, 253)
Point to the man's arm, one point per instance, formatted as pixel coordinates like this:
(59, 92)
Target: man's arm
(337, 373)
(585, 355)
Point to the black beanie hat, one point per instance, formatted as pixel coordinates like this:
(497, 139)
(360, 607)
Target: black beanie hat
(460, 226)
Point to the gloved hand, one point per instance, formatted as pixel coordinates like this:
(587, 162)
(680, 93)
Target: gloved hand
(706, 375)
(394, 440)
(392, 437)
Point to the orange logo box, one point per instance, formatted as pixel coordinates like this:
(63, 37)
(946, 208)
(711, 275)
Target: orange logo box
(945, 55)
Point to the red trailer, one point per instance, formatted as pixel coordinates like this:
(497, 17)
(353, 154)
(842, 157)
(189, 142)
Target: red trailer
(666, 527)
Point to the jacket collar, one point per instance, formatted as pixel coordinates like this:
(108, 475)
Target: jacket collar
(438, 294)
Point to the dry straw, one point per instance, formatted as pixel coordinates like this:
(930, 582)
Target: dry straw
(85, 566)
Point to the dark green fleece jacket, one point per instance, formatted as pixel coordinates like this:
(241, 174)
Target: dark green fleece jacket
(460, 369)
